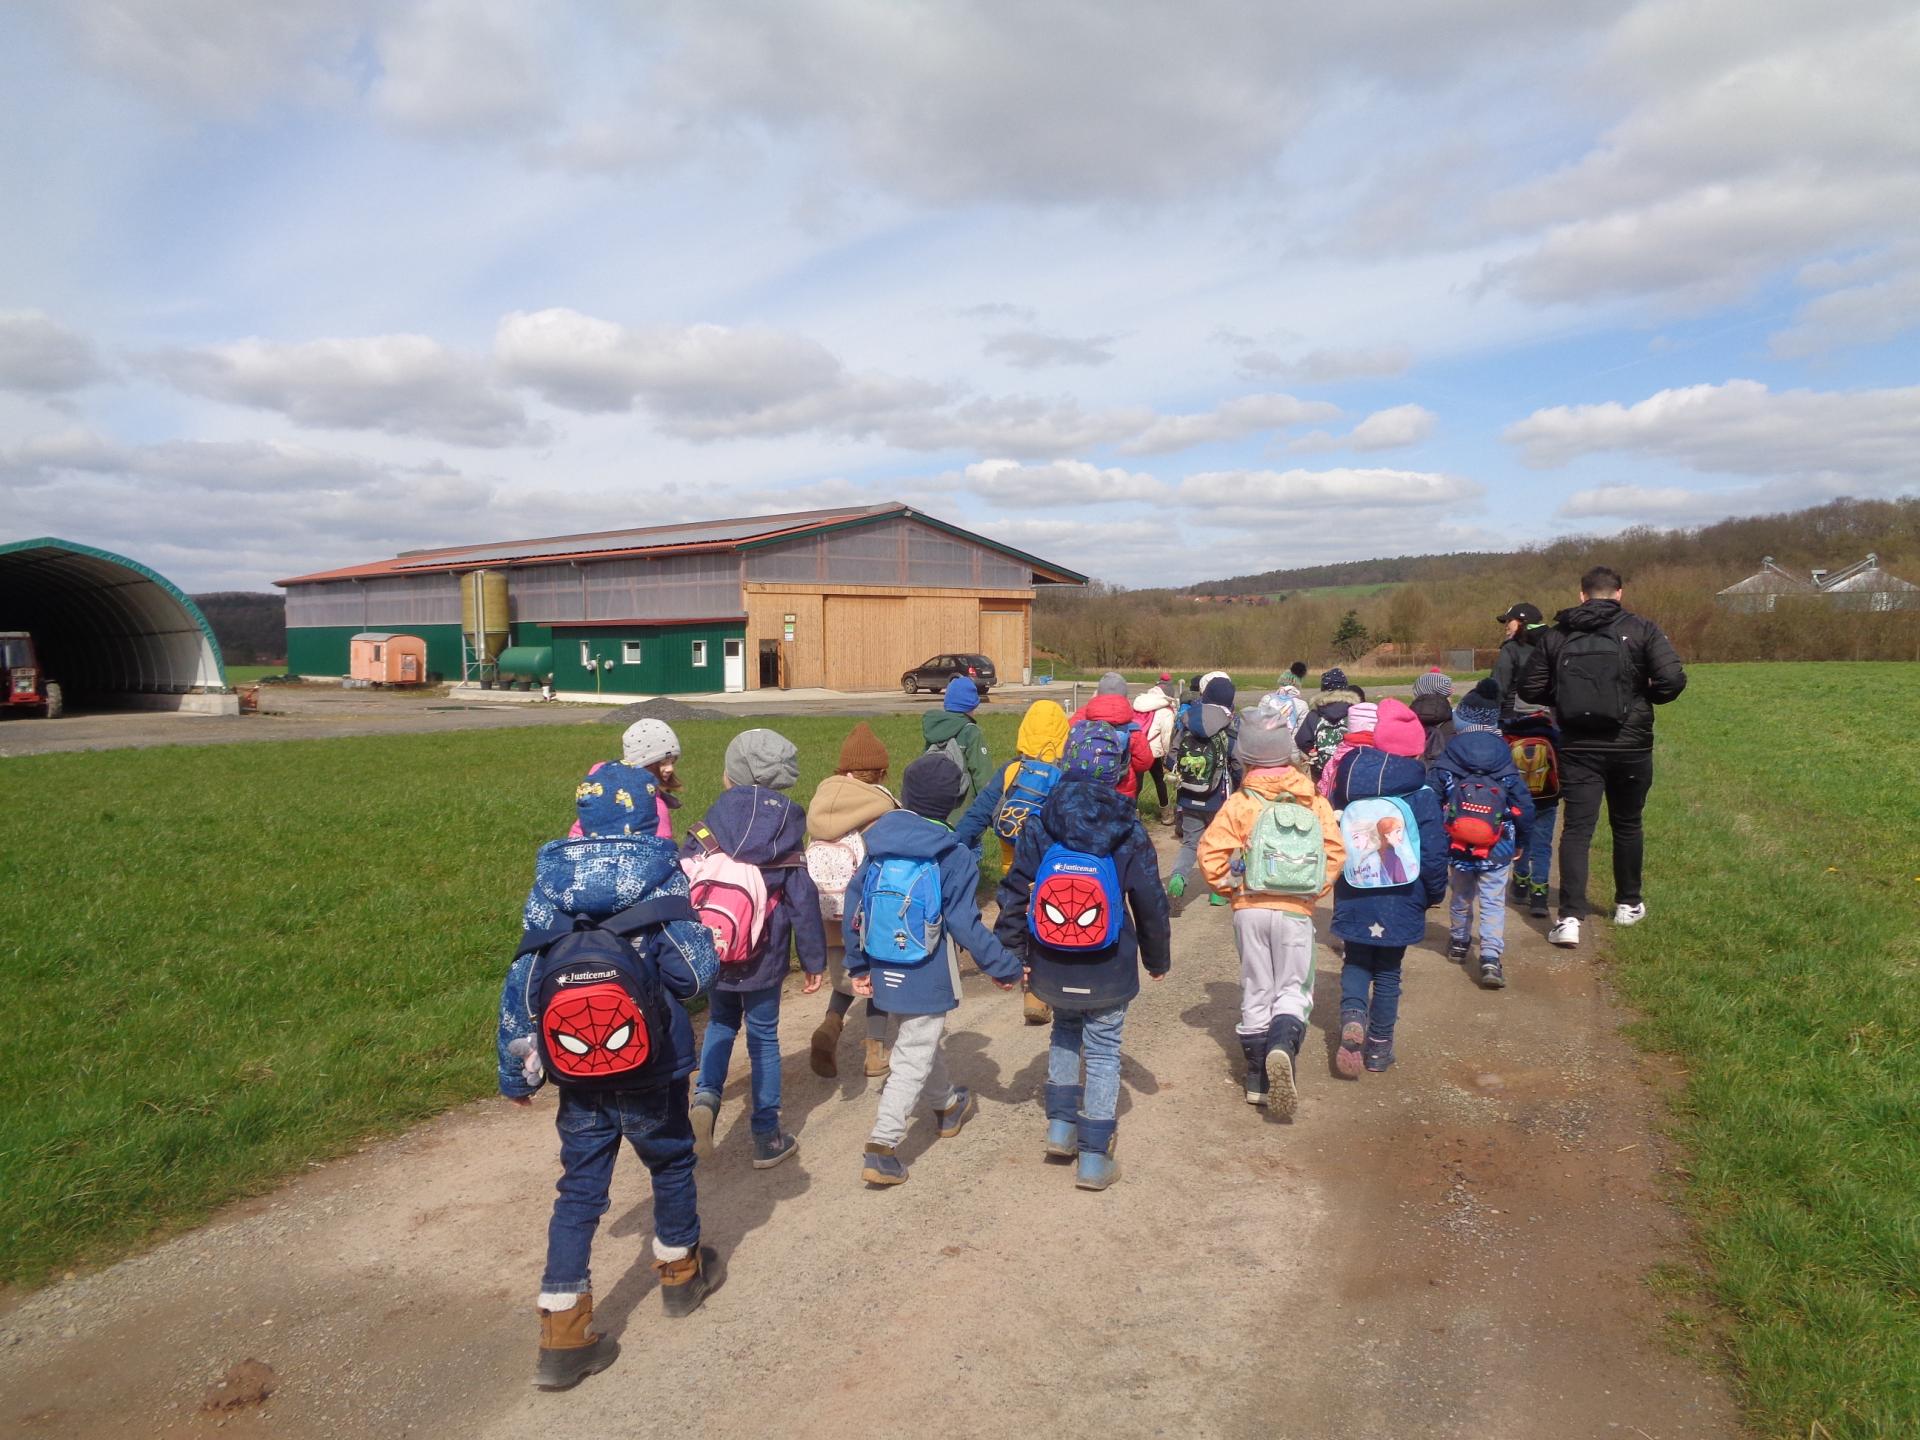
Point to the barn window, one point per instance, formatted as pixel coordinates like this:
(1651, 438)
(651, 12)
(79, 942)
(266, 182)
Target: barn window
(700, 654)
(586, 655)
(630, 652)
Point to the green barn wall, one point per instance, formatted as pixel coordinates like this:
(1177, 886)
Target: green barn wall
(666, 658)
(322, 649)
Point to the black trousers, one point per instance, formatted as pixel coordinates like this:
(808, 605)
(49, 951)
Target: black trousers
(1159, 773)
(1622, 778)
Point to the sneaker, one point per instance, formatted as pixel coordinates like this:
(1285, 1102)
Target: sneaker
(1176, 887)
(1216, 899)
(956, 1115)
(1379, 1055)
(1353, 1035)
(770, 1150)
(1456, 950)
(1624, 915)
(1537, 902)
(1566, 934)
(1492, 977)
(880, 1166)
(685, 1283)
(1284, 1096)
(704, 1111)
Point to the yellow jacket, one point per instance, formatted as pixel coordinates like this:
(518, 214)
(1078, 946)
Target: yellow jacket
(1233, 826)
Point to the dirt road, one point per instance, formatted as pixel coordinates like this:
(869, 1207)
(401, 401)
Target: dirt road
(1454, 1249)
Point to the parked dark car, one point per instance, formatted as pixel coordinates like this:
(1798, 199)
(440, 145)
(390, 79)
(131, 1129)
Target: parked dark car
(935, 673)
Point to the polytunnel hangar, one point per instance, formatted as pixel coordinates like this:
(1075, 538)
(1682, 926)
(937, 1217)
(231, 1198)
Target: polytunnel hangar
(114, 633)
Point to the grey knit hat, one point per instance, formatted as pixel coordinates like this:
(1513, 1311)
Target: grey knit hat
(763, 757)
(1112, 683)
(1434, 682)
(1265, 740)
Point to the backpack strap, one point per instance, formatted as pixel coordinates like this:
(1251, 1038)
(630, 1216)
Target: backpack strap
(704, 838)
(539, 939)
(655, 910)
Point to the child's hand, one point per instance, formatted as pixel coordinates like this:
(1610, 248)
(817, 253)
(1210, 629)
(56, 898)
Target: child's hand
(811, 984)
(862, 985)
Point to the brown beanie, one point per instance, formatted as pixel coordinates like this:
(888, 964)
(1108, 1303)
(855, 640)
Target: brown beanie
(862, 750)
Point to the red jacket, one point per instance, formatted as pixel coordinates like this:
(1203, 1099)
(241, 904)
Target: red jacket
(1117, 710)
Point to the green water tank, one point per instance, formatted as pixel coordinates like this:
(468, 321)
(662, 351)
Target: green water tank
(527, 662)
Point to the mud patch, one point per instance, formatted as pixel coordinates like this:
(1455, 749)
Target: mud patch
(247, 1384)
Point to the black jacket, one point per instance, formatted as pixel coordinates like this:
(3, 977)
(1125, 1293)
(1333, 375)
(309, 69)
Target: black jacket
(1655, 675)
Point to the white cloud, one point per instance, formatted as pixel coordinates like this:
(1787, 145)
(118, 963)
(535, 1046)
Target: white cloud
(40, 356)
(1230, 420)
(1329, 366)
(1058, 483)
(1036, 350)
(1228, 496)
(399, 384)
(1389, 429)
(1677, 505)
(1740, 428)
(465, 68)
(1868, 302)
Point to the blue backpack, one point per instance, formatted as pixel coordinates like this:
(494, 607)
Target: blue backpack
(901, 922)
(1026, 792)
(1096, 748)
(1076, 900)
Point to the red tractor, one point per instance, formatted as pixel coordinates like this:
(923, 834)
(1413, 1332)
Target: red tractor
(23, 684)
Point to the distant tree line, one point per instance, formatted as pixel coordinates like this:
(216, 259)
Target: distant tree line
(251, 628)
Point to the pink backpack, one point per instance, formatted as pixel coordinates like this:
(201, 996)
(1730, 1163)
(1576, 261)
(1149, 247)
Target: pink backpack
(730, 897)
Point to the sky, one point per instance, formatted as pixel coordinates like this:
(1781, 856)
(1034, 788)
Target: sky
(1160, 293)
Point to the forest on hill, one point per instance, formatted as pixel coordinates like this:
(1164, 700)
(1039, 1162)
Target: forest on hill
(251, 627)
(1438, 603)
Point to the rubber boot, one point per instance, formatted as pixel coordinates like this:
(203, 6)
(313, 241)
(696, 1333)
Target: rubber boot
(570, 1350)
(685, 1283)
(1098, 1169)
(1063, 1120)
(1353, 1037)
(1283, 1048)
(1036, 1010)
(823, 1056)
(1254, 1048)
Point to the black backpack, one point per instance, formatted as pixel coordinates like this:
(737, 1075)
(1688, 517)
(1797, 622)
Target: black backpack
(1593, 682)
(599, 1010)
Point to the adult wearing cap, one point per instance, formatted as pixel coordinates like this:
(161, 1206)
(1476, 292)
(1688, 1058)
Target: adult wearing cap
(1524, 624)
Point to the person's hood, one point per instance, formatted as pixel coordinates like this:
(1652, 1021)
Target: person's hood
(1374, 772)
(1207, 721)
(1433, 709)
(755, 825)
(941, 725)
(1325, 700)
(1476, 752)
(1590, 615)
(1088, 816)
(903, 834)
(1152, 698)
(1043, 731)
(599, 877)
(1278, 780)
(1113, 709)
(843, 804)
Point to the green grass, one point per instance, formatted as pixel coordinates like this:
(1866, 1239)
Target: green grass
(223, 962)
(251, 674)
(1781, 963)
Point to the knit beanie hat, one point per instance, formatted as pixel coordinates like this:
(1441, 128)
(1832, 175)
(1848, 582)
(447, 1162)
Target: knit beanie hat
(1480, 708)
(763, 757)
(1334, 679)
(1265, 740)
(1112, 683)
(962, 697)
(1165, 676)
(1398, 731)
(1361, 717)
(932, 786)
(862, 750)
(1434, 682)
(616, 800)
(1218, 690)
(646, 742)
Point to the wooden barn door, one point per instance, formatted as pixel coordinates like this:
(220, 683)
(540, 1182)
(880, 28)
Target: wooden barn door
(1003, 640)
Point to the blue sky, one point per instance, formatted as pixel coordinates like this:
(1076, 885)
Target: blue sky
(1162, 293)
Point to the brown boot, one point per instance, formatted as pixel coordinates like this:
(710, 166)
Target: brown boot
(877, 1062)
(685, 1283)
(570, 1350)
(826, 1042)
(1036, 1010)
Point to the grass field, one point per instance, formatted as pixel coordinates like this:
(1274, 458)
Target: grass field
(223, 962)
(1781, 963)
(251, 674)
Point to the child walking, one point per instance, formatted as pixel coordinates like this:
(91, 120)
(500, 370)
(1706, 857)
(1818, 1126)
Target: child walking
(1207, 772)
(650, 745)
(1534, 741)
(913, 896)
(1486, 806)
(952, 731)
(1082, 904)
(1395, 871)
(613, 1035)
(1275, 846)
(848, 801)
(749, 884)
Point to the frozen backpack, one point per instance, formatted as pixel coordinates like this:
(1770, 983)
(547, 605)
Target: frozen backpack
(1534, 757)
(832, 864)
(600, 1016)
(1378, 857)
(1200, 760)
(1327, 735)
(1285, 853)
(1075, 904)
(1476, 814)
(1027, 790)
(900, 920)
(730, 898)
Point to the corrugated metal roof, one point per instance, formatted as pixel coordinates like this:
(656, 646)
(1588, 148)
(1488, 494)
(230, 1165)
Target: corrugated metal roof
(1874, 579)
(1771, 579)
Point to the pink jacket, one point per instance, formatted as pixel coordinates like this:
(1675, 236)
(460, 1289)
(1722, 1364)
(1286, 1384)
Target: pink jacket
(665, 829)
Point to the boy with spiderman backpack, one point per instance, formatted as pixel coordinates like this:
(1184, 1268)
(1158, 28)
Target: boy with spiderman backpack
(594, 1000)
(1486, 807)
(912, 899)
(1082, 904)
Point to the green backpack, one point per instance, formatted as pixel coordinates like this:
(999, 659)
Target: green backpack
(1285, 853)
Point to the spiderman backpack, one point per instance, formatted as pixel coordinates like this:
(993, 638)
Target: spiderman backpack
(1075, 905)
(1476, 815)
(1032, 781)
(597, 1004)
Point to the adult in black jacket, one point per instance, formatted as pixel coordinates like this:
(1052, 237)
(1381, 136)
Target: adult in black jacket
(1525, 625)
(1602, 669)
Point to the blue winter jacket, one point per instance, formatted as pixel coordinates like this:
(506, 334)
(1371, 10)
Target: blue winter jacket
(1206, 721)
(932, 987)
(979, 817)
(1484, 752)
(598, 879)
(757, 826)
(1396, 914)
(1097, 820)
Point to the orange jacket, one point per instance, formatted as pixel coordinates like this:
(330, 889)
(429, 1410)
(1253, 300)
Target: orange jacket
(1233, 826)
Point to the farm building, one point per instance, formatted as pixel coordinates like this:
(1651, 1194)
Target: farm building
(110, 631)
(1864, 586)
(841, 599)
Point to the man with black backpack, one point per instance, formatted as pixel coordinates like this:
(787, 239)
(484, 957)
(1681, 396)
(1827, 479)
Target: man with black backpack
(1602, 669)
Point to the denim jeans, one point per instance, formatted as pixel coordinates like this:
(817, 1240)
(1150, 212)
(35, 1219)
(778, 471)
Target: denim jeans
(1091, 1037)
(1489, 887)
(591, 1127)
(1622, 778)
(761, 1009)
(1376, 967)
(1533, 862)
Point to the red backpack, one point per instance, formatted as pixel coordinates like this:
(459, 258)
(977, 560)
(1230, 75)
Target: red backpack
(1476, 816)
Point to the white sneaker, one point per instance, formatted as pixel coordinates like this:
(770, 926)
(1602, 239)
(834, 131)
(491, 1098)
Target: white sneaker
(1629, 914)
(1566, 934)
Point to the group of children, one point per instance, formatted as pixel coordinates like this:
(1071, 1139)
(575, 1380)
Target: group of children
(1275, 807)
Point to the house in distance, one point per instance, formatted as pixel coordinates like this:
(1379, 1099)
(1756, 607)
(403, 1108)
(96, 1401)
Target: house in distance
(1863, 586)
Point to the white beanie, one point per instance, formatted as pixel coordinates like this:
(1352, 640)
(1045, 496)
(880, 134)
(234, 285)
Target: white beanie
(647, 742)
